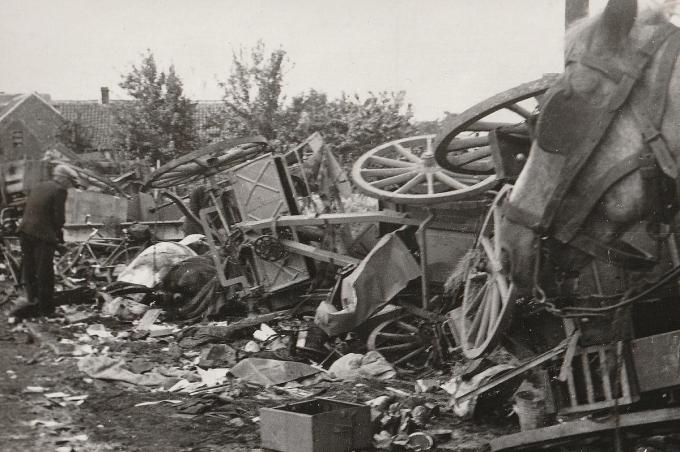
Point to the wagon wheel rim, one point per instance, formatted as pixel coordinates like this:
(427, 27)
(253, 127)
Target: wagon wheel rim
(489, 293)
(405, 171)
(463, 144)
(401, 343)
(210, 160)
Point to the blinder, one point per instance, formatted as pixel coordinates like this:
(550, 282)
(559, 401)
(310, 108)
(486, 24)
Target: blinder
(568, 121)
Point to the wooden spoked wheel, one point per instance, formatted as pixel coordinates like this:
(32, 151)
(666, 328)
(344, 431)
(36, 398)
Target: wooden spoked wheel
(403, 341)
(210, 160)
(463, 144)
(489, 294)
(405, 171)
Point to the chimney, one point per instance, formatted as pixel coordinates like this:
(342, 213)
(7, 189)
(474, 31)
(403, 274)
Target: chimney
(105, 95)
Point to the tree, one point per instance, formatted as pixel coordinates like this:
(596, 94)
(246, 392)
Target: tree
(350, 124)
(158, 123)
(252, 92)
(254, 104)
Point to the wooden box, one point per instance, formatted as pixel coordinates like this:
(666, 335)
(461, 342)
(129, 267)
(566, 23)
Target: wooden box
(318, 425)
(657, 361)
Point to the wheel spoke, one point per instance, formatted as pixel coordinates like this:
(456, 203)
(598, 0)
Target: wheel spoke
(418, 178)
(407, 326)
(393, 180)
(408, 337)
(397, 347)
(491, 255)
(469, 157)
(496, 224)
(484, 325)
(516, 108)
(502, 284)
(406, 153)
(430, 183)
(478, 296)
(474, 326)
(409, 356)
(384, 172)
(461, 144)
(486, 126)
(450, 181)
(494, 306)
(391, 162)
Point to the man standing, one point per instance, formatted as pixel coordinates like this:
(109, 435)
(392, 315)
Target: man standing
(40, 233)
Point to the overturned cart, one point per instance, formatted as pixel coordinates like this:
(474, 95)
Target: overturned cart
(277, 232)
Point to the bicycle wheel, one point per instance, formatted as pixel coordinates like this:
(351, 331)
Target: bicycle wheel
(121, 258)
(65, 265)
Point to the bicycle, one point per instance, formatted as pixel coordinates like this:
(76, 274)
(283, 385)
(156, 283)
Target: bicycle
(97, 256)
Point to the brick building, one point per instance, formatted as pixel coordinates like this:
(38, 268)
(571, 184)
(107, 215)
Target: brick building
(29, 125)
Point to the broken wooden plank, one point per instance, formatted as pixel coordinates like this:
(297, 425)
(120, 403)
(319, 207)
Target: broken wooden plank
(148, 319)
(319, 254)
(581, 428)
(332, 218)
(195, 336)
(540, 359)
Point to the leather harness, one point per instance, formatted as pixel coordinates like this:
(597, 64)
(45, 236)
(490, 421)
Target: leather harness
(570, 204)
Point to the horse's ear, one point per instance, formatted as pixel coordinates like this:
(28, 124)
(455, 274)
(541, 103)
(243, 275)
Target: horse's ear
(617, 20)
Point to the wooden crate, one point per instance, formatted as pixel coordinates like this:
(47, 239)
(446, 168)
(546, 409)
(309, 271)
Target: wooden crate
(657, 361)
(601, 376)
(319, 425)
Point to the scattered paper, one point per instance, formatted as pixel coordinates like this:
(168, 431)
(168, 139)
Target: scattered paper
(98, 330)
(269, 372)
(157, 402)
(34, 390)
(212, 377)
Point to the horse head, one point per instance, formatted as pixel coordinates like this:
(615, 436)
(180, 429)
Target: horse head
(586, 180)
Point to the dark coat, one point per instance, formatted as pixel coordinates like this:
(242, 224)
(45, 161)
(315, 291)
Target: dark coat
(44, 212)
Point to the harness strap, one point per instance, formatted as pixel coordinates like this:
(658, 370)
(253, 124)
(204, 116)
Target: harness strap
(617, 252)
(576, 208)
(658, 98)
(520, 216)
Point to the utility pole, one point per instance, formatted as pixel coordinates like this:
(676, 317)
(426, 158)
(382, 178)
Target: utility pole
(574, 10)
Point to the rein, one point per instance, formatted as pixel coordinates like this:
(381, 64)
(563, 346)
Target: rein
(564, 215)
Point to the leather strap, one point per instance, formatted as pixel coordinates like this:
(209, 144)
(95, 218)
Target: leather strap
(617, 252)
(520, 216)
(659, 96)
(576, 208)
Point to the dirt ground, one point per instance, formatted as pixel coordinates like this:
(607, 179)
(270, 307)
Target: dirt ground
(108, 420)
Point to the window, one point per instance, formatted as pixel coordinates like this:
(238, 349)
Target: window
(17, 138)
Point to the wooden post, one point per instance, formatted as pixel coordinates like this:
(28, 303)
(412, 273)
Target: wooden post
(574, 10)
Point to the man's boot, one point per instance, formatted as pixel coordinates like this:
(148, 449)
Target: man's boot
(24, 309)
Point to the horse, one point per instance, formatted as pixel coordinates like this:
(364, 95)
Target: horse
(604, 155)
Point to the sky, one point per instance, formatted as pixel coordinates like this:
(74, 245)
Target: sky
(446, 54)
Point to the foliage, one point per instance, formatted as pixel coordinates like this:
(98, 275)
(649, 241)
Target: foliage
(254, 104)
(158, 123)
(75, 136)
(252, 93)
(350, 124)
